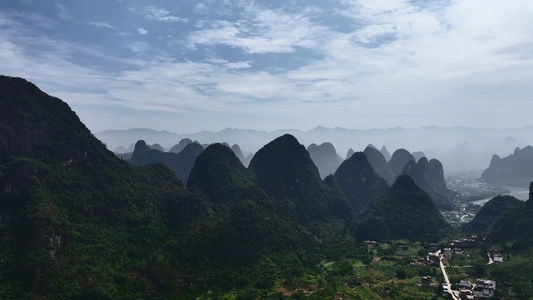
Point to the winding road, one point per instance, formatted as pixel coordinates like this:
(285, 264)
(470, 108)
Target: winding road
(448, 284)
(490, 259)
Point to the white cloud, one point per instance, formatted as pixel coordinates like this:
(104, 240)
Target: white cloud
(238, 65)
(142, 31)
(62, 12)
(399, 65)
(161, 14)
(201, 8)
(260, 31)
(229, 65)
(101, 24)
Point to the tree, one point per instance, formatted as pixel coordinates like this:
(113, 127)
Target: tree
(400, 273)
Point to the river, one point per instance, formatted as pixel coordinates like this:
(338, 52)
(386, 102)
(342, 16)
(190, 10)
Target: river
(518, 192)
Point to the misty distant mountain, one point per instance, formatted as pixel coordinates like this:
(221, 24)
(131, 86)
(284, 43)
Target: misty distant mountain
(156, 147)
(325, 158)
(127, 153)
(379, 164)
(445, 143)
(180, 163)
(124, 156)
(115, 138)
(513, 170)
(429, 176)
(245, 160)
(180, 145)
(120, 149)
(385, 153)
(349, 153)
(371, 146)
(398, 161)
(418, 155)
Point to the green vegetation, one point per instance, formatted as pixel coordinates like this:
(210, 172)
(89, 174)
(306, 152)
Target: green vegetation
(180, 163)
(77, 222)
(379, 164)
(429, 176)
(490, 212)
(359, 182)
(286, 172)
(406, 212)
(514, 226)
(219, 174)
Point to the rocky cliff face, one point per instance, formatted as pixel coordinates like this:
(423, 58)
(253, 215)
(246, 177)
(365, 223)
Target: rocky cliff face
(513, 170)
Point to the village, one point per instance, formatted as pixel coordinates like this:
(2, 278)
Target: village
(452, 266)
(467, 290)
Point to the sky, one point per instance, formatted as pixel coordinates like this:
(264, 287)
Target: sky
(186, 66)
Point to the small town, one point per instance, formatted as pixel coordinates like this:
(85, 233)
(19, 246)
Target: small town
(452, 268)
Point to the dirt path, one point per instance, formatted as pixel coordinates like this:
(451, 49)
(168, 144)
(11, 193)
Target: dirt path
(448, 284)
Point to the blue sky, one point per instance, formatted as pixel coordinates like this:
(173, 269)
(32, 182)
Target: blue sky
(187, 66)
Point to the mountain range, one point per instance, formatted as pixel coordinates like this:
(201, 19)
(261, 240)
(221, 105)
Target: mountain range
(79, 222)
(458, 148)
(404, 212)
(513, 170)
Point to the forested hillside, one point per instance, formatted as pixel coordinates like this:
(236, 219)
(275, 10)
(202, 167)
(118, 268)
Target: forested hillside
(78, 222)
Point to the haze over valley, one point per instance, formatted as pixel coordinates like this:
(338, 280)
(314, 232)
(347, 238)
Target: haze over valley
(460, 148)
(266, 149)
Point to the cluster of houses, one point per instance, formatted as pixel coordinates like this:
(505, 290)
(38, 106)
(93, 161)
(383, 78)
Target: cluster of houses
(456, 246)
(370, 243)
(482, 288)
(433, 254)
(432, 259)
(469, 241)
(495, 255)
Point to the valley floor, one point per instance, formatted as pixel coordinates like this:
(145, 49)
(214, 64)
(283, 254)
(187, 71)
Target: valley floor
(399, 270)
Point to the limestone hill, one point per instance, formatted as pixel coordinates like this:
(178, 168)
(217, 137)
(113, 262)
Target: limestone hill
(405, 212)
